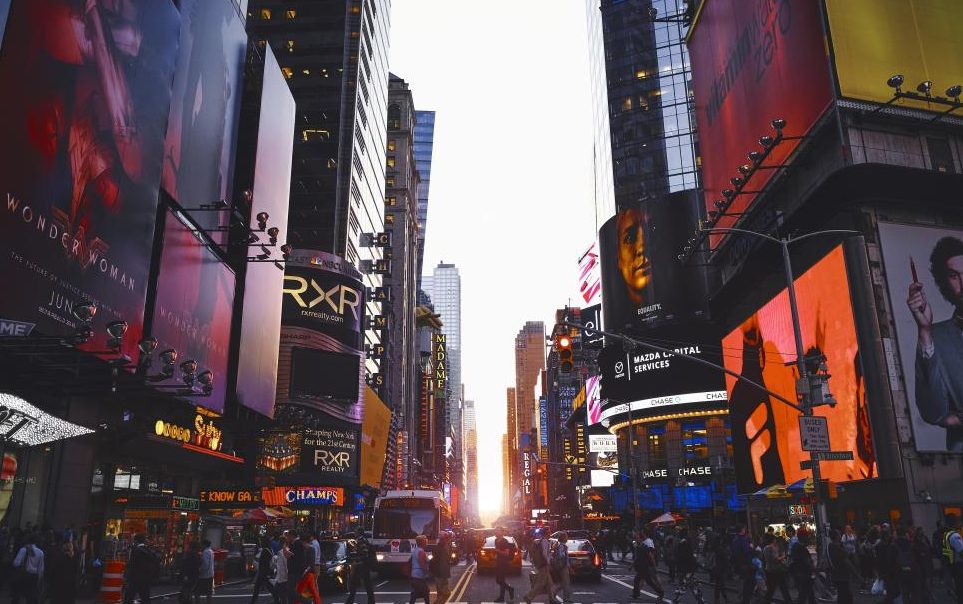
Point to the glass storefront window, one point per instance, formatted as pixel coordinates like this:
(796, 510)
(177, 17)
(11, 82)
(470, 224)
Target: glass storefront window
(657, 454)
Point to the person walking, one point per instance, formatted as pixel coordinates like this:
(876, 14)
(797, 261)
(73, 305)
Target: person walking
(559, 562)
(923, 564)
(645, 566)
(190, 569)
(721, 569)
(504, 552)
(802, 568)
(142, 567)
(887, 564)
(28, 568)
(306, 584)
(842, 567)
(280, 580)
(441, 566)
(61, 574)
(364, 560)
(316, 557)
(542, 575)
(419, 571)
(205, 574)
(741, 550)
(262, 578)
(953, 554)
(776, 564)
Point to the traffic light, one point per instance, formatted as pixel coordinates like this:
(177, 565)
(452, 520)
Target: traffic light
(566, 357)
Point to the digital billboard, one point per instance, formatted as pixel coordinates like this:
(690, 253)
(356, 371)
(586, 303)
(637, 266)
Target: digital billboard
(83, 127)
(257, 377)
(374, 438)
(753, 62)
(205, 103)
(589, 277)
(875, 39)
(655, 383)
(330, 453)
(765, 432)
(320, 361)
(643, 283)
(593, 399)
(194, 305)
(924, 268)
(603, 455)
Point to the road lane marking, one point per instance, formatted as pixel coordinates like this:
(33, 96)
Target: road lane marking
(380, 584)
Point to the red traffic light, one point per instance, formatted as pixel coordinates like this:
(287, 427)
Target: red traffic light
(564, 342)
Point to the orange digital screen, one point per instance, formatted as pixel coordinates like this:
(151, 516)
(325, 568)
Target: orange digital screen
(765, 431)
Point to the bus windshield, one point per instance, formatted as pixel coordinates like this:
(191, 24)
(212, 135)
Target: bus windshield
(406, 523)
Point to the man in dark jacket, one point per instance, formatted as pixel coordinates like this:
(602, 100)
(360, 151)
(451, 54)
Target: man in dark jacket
(802, 568)
(263, 577)
(741, 550)
(298, 564)
(190, 571)
(644, 562)
(142, 567)
(843, 570)
(364, 559)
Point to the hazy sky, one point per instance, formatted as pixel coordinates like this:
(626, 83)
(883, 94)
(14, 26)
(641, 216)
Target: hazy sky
(511, 201)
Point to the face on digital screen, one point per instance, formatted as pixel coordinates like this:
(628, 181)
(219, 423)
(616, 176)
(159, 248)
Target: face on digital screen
(634, 265)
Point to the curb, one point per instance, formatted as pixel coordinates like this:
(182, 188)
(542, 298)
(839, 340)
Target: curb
(173, 594)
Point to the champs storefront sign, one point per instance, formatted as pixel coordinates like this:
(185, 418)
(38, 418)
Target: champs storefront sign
(303, 496)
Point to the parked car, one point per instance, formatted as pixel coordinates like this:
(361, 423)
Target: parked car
(335, 564)
(584, 561)
(486, 556)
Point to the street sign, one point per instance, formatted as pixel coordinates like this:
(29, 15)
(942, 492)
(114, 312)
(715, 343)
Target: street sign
(827, 456)
(814, 433)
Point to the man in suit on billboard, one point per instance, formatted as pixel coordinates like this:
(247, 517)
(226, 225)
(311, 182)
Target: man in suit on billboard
(939, 353)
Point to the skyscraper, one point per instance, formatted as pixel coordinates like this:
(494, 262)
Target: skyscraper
(335, 57)
(471, 458)
(424, 143)
(444, 287)
(511, 451)
(506, 475)
(529, 362)
(602, 137)
(649, 97)
(401, 222)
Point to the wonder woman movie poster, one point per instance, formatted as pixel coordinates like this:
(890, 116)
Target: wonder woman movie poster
(88, 87)
(765, 431)
(192, 313)
(205, 104)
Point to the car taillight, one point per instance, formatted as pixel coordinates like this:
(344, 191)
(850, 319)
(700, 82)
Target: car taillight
(597, 560)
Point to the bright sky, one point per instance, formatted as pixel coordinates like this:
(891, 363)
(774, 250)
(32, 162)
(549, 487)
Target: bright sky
(511, 200)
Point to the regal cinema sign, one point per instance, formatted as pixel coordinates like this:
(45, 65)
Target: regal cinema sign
(203, 434)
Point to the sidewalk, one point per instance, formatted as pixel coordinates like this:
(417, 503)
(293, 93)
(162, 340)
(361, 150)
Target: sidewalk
(167, 591)
(734, 586)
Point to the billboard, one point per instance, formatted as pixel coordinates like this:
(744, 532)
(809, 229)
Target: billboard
(875, 39)
(643, 283)
(193, 306)
(320, 362)
(83, 128)
(593, 399)
(655, 383)
(4, 11)
(752, 63)
(374, 438)
(261, 320)
(603, 455)
(589, 277)
(329, 452)
(205, 104)
(765, 432)
(924, 267)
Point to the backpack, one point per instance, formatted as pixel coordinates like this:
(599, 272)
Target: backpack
(537, 555)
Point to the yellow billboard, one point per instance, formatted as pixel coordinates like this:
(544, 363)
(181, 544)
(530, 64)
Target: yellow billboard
(875, 39)
(374, 438)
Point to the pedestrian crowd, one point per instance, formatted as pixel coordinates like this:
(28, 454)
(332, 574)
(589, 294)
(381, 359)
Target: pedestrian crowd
(39, 563)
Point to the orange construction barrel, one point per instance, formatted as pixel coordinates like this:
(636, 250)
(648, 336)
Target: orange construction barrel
(112, 585)
(220, 561)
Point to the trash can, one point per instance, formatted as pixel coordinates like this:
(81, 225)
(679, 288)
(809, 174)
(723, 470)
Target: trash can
(220, 561)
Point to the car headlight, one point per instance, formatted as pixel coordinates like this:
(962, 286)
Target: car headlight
(380, 557)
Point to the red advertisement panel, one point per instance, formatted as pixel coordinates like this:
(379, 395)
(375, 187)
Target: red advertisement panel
(192, 313)
(82, 128)
(753, 62)
(765, 432)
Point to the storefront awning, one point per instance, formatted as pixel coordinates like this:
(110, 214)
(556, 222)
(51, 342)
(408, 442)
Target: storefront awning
(24, 425)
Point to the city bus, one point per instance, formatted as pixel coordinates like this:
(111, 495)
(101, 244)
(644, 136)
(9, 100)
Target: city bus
(399, 517)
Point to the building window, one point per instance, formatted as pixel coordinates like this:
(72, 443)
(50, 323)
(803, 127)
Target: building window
(389, 219)
(288, 72)
(290, 45)
(391, 144)
(391, 201)
(391, 161)
(390, 181)
(657, 453)
(627, 104)
(290, 14)
(394, 117)
(695, 441)
(309, 135)
(265, 14)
